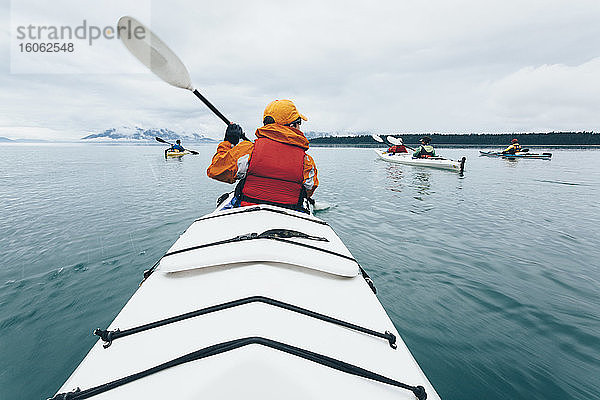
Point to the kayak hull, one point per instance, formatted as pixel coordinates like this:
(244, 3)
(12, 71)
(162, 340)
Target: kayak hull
(170, 154)
(407, 159)
(543, 156)
(327, 282)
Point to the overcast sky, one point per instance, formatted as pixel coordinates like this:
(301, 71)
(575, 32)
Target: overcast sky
(350, 66)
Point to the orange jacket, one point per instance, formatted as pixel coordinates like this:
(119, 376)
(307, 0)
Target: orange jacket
(231, 162)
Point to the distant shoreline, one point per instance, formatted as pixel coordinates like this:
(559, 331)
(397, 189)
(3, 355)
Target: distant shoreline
(374, 145)
(549, 139)
(460, 146)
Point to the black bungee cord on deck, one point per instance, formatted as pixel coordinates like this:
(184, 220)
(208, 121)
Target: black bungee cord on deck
(275, 234)
(280, 235)
(250, 209)
(78, 394)
(108, 336)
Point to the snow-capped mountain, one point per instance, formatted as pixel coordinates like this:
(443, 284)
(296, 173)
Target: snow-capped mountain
(137, 134)
(313, 134)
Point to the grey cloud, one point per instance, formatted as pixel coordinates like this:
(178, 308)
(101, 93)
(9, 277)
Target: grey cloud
(456, 66)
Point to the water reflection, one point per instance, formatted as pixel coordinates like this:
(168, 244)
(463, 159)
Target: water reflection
(422, 183)
(421, 180)
(394, 178)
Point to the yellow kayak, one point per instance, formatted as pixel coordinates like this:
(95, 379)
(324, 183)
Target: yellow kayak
(176, 153)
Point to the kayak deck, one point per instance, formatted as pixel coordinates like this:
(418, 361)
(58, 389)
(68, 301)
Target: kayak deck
(331, 285)
(434, 162)
(543, 156)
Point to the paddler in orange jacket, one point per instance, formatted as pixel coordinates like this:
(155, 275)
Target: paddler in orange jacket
(275, 169)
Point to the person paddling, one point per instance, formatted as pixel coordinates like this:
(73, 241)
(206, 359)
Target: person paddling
(275, 169)
(398, 148)
(514, 147)
(425, 150)
(177, 146)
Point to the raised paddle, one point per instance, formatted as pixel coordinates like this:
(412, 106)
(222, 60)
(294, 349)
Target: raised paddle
(164, 141)
(398, 142)
(389, 140)
(160, 59)
(377, 138)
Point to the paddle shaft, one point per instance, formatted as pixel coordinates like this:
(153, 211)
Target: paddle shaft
(170, 70)
(214, 109)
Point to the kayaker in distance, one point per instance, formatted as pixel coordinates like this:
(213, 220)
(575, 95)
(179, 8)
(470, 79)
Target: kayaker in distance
(177, 146)
(514, 147)
(275, 169)
(425, 150)
(398, 148)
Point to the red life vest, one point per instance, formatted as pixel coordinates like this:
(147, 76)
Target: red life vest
(397, 149)
(275, 174)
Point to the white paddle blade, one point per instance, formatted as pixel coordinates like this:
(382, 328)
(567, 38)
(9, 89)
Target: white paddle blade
(321, 206)
(377, 138)
(394, 140)
(153, 53)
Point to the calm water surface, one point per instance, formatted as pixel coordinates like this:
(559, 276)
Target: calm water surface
(492, 279)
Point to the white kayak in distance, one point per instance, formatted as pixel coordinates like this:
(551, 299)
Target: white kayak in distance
(431, 162)
(542, 156)
(256, 302)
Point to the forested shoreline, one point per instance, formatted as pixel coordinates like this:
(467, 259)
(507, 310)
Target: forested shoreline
(484, 139)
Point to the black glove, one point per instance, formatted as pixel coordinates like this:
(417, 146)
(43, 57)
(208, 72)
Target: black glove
(233, 134)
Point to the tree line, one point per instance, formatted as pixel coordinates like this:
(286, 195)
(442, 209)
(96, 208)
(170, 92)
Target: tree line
(483, 139)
